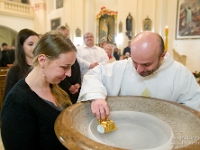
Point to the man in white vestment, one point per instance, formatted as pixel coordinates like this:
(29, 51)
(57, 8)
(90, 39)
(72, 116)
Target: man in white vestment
(89, 55)
(150, 72)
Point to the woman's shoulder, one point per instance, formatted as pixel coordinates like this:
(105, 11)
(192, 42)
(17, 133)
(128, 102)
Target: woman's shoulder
(22, 95)
(14, 69)
(13, 73)
(20, 89)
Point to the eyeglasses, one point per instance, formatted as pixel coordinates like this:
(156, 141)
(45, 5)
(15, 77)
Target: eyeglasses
(87, 37)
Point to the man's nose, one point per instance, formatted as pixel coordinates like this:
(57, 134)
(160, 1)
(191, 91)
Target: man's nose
(140, 69)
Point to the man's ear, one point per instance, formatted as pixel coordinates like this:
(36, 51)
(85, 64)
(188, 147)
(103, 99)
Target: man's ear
(42, 60)
(163, 55)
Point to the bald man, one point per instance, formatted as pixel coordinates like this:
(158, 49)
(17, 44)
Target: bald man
(150, 72)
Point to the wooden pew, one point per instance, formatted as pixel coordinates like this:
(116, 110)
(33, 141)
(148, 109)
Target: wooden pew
(4, 70)
(2, 85)
(179, 57)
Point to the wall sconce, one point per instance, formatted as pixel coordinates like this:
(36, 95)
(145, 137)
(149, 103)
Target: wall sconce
(78, 32)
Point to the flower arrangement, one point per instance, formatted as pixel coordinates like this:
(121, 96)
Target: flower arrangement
(196, 74)
(105, 11)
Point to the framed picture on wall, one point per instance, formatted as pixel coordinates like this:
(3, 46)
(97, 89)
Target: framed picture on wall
(106, 25)
(59, 4)
(147, 24)
(78, 32)
(188, 19)
(55, 23)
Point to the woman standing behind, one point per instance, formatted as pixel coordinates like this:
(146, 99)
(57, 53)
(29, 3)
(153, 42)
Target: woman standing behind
(26, 39)
(109, 50)
(33, 104)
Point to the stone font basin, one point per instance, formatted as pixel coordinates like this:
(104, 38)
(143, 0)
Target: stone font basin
(71, 127)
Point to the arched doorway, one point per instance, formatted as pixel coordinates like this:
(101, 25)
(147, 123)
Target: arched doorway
(7, 35)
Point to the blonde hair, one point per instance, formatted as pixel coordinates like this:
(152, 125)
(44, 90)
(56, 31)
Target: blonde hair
(111, 46)
(52, 44)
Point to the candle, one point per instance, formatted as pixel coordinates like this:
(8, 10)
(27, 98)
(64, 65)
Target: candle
(166, 31)
(166, 38)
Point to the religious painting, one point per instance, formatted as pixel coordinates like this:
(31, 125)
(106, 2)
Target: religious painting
(147, 24)
(55, 23)
(106, 25)
(59, 4)
(188, 19)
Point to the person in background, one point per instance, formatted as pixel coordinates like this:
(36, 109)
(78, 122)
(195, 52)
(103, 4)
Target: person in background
(100, 45)
(89, 55)
(13, 47)
(127, 55)
(109, 50)
(116, 53)
(128, 48)
(121, 57)
(8, 56)
(26, 40)
(148, 68)
(33, 104)
(4, 46)
(71, 84)
(104, 44)
(64, 30)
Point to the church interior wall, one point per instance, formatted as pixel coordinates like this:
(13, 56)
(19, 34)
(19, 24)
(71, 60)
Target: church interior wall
(82, 14)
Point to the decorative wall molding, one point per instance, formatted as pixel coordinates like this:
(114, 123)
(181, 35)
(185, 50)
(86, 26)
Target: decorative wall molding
(16, 9)
(39, 6)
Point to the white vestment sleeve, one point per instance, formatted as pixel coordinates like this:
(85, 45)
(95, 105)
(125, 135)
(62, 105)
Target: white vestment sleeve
(190, 91)
(103, 80)
(184, 88)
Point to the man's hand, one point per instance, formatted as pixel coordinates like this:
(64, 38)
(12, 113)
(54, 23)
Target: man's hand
(100, 108)
(92, 65)
(74, 88)
(77, 85)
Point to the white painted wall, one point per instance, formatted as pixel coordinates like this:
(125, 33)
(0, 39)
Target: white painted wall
(16, 23)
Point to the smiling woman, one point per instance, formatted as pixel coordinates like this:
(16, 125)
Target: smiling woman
(53, 56)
